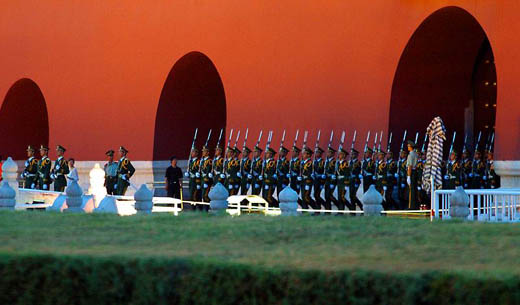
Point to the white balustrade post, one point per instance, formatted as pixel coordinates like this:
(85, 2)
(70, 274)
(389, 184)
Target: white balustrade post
(10, 174)
(7, 196)
(459, 202)
(218, 198)
(97, 181)
(288, 202)
(372, 202)
(143, 200)
(74, 199)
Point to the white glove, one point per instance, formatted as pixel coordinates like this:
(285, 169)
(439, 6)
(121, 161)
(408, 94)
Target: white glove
(45, 186)
(257, 186)
(222, 176)
(332, 186)
(274, 176)
(374, 177)
(470, 175)
(418, 188)
(266, 187)
(210, 175)
(33, 186)
(323, 176)
(57, 167)
(307, 188)
(260, 177)
(360, 176)
(396, 175)
(333, 177)
(313, 176)
(115, 186)
(403, 185)
(249, 176)
(384, 188)
(124, 177)
(230, 187)
(484, 177)
(205, 186)
(446, 177)
(186, 174)
(197, 174)
(288, 176)
(239, 175)
(53, 176)
(299, 178)
(408, 180)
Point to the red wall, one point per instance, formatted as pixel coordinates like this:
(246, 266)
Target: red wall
(296, 64)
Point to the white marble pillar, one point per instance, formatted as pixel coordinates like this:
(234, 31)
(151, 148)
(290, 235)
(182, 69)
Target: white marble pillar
(288, 202)
(372, 202)
(7, 196)
(97, 181)
(74, 199)
(10, 174)
(459, 204)
(218, 198)
(143, 200)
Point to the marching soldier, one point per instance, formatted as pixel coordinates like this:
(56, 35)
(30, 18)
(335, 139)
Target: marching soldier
(245, 170)
(218, 167)
(477, 171)
(452, 176)
(256, 171)
(125, 170)
(233, 171)
(44, 169)
(282, 171)
(319, 177)
(381, 184)
(60, 170)
(307, 182)
(368, 169)
(343, 181)
(331, 179)
(294, 166)
(493, 180)
(192, 173)
(467, 165)
(30, 173)
(401, 179)
(411, 175)
(391, 180)
(355, 179)
(206, 173)
(110, 173)
(270, 177)
(421, 194)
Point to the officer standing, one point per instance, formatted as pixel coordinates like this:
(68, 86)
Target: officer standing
(381, 184)
(206, 175)
(478, 171)
(269, 177)
(307, 182)
(110, 173)
(355, 179)
(125, 171)
(467, 166)
(245, 170)
(232, 166)
(401, 179)
(368, 169)
(173, 179)
(30, 172)
(191, 173)
(282, 171)
(391, 180)
(294, 166)
(257, 171)
(343, 181)
(60, 170)
(218, 167)
(318, 177)
(330, 180)
(453, 171)
(492, 178)
(411, 175)
(44, 169)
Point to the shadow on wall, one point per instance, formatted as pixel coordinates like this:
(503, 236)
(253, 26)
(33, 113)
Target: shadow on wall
(441, 72)
(23, 119)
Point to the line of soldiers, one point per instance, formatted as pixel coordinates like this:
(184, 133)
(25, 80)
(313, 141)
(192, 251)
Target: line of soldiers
(325, 178)
(40, 173)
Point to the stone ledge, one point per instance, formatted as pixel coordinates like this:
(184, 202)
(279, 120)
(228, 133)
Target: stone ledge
(509, 172)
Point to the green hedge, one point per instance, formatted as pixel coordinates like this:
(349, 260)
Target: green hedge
(92, 280)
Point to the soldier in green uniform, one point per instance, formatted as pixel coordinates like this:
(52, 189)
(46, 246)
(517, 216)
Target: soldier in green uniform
(30, 173)
(492, 179)
(452, 177)
(60, 170)
(380, 175)
(467, 165)
(245, 171)
(294, 166)
(401, 180)
(478, 171)
(232, 166)
(218, 167)
(125, 170)
(206, 173)
(110, 173)
(256, 171)
(282, 171)
(330, 180)
(411, 176)
(355, 179)
(343, 181)
(318, 177)
(269, 177)
(44, 169)
(391, 181)
(192, 172)
(307, 181)
(421, 194)
(368, 168)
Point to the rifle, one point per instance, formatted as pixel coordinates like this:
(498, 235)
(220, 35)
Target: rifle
(236, 141)
(296, 137)
(380, 140)
(205, 145)
(227, 148)
(353, 143)
(404, 139)
(267, 144)
(192, 147)
(315, 150)
(399, 161)
(220, 136)
(257, 143)
(464, 144)
(245, 139)
(340, 147)
(476, 149)
(294, 145)
(424, 143)
(328, 146)
(366, 142)
(280, 150)
(490, 144)
(388, 146)
(451, 146)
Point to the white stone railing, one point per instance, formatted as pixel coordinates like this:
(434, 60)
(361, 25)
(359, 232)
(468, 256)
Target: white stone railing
(501, 205)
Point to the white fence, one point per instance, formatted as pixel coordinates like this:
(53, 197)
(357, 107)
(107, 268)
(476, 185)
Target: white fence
(501, 205)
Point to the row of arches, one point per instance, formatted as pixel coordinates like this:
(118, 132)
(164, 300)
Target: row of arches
(447, 68)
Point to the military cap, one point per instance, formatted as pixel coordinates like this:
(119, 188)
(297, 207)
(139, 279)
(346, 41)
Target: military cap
(205, 147)
(411, 143)
(195, 149)
(319, 149)
(307, 150)
(271, 150)
(454, 152)
(110, 153)
(331, 149)
(370, 150)
(296, 149)
(43, 147)
(246, 149)
(341, 150)
(257, 148)
(284, 149)
(123, 149)
(218, 148)
(30, 148)
(61, 148)
(380, 151)
(478, 152)
(354, 151)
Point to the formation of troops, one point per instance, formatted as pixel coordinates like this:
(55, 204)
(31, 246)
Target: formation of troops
(41, 173)
(335, 175)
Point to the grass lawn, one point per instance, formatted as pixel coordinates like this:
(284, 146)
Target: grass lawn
(306, 242)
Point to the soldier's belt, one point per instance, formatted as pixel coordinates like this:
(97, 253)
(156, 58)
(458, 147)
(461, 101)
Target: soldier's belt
(30, 175)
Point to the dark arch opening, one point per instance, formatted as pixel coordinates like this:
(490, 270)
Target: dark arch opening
(192, 97)
(447, 69)
(23, 119)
